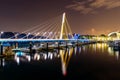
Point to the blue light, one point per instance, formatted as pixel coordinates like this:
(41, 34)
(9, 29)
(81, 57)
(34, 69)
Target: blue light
(19, 53)
(76, 36)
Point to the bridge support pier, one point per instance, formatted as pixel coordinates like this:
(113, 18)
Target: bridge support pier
(1, 49)
(58, 47)
(47, 47)
(30, 47)
(2, 62)
(16, 45)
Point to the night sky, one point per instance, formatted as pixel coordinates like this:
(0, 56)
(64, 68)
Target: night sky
(84, 16)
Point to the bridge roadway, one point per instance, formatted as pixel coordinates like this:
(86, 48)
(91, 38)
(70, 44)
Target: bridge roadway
(44, 40)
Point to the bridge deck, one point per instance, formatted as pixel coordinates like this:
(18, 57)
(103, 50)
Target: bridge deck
(43, 40)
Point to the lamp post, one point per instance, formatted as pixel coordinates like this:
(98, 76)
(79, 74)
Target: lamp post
(1, 33)
(28, 35)
(1, 45)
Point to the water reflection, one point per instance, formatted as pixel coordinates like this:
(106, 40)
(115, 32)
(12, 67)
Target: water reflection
(113, 52)
(117, 54)
(2, 62)
(17, 59)
(63, 54)
(77, 50)
(98, 48)
(36, 56)
(65, 58)
(23, 57)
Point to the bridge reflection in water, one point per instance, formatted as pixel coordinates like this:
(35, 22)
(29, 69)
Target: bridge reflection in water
(65, 55)
(65, 58)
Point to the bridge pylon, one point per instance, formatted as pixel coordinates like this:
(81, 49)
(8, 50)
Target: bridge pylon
(65, 32)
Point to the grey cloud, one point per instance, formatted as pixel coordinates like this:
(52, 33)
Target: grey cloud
(90, 6)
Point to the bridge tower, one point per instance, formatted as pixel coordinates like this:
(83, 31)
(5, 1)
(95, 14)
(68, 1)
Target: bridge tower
(62, 26)
(65, 33)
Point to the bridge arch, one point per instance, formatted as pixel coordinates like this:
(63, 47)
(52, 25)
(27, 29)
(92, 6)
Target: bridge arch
(112, 33)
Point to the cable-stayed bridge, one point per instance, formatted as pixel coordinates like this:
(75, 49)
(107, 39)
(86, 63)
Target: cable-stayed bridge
(49, 31)
(52, 31)
(55, 31)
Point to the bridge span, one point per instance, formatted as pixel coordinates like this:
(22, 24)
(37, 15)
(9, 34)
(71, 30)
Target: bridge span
(44, 40)
(51, 34)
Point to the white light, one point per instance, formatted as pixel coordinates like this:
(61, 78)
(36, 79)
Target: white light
(45, 56)
(3, 64)
(2, 32)
(36, 56)
(29, 58)
(18, 60)
(51, 56)
(29, 33)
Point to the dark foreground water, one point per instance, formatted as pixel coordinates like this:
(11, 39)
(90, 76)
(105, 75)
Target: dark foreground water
(89, 62)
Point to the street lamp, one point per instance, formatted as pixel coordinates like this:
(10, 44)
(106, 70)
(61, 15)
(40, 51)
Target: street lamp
(1, 33)
(28, 35)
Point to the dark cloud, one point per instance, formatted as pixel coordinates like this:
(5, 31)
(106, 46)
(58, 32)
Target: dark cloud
(91, 6)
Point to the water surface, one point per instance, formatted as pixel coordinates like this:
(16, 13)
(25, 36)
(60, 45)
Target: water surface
(88, 62)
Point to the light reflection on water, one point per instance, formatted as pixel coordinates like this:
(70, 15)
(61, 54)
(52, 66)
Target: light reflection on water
(35, 57)
(2, 62)
(100, 48)
(64, 55)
